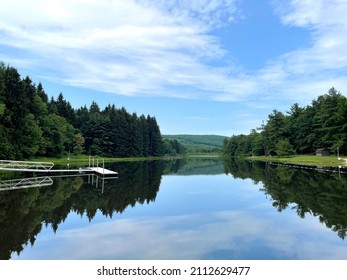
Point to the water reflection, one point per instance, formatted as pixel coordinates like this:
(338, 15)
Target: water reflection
(308, 192)
(216, 217)
(24, 212)
(24, 183)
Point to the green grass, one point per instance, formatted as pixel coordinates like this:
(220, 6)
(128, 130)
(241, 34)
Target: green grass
(297, 159)
(82, 159)
(311, 160)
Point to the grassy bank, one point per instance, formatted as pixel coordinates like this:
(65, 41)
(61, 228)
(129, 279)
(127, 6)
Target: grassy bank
(310, 160)
(85, 159)
(82, 159)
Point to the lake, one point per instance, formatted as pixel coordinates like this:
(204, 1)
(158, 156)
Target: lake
(179, 209)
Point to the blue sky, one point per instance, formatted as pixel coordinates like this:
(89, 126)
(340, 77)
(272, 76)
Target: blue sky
(199, 67)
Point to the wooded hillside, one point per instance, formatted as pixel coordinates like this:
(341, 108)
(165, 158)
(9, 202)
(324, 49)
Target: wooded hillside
(32, 125)
(301, 130)
(199, 143)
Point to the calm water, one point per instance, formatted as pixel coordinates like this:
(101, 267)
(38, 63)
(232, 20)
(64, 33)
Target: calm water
(184, 209)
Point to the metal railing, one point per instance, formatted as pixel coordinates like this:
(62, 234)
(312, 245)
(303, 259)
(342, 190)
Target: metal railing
(25, 165)
(15, 184)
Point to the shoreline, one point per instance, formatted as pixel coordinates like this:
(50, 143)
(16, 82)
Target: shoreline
(82, 159)
(305, 160)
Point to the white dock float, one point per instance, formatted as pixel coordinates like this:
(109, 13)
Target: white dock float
(103, 171)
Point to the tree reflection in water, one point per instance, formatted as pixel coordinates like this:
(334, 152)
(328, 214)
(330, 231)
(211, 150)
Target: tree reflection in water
(322, 194)
(24, 212)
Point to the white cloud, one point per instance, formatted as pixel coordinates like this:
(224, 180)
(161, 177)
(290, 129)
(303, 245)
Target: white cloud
(138, 47)
(195, 236)
(304, 73)
(315, 69)
(127, 47)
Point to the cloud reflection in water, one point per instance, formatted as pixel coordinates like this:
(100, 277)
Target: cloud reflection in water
(218, 235)
(193, 217)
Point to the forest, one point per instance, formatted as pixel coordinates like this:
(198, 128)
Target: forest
(301, 130)
(34, 125)
(198, 144)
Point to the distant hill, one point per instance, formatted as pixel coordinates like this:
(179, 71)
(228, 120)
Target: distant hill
(199, 143)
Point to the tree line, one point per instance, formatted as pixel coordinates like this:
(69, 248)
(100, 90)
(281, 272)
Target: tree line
(34, 125)
(302, 130)
(198, 144)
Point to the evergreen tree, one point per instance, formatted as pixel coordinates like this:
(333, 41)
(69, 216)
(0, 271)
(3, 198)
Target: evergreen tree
(144, 135)
(275, 129)
(297, 127)
(134, 142)
(41, 93)
(323, 124)
(31, 124)
(65, 109)
(284, 148)
(329, 120)
(155, 139)
(16, 108)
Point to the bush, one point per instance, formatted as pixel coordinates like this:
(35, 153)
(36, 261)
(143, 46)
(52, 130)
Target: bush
(284, 148)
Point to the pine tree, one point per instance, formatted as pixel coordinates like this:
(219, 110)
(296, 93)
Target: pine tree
(155, 139)
(284, 148)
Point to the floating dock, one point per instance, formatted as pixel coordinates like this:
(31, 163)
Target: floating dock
(47, 167)
(102, 171)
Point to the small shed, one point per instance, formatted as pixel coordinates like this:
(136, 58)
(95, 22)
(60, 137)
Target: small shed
(322, 152)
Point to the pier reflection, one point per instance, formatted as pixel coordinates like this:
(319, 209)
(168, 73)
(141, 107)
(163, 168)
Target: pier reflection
(44, 181)
(24, 212)
(24, 183)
